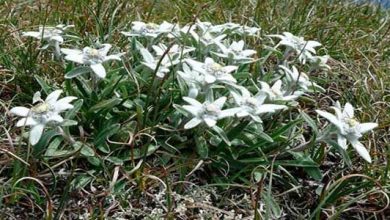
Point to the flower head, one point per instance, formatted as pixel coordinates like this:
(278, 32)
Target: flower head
(213, 72)
(299, 82)
(275, 93)
(151, 62)
(151, 30)
(304, 49)
(253, 106)
(349, 128)
(45, 112)
(174, 51)
(208, 112)
(47, 33)
(92, 57)
(236, 52)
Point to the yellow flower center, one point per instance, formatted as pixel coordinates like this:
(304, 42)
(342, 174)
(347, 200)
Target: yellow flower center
(251, 101)
(41, 108)
(212, 108)
(352, 122)
(94, 53)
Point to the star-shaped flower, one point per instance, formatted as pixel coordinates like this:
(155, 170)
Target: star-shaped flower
(303, 48)
(151, 62)
(349, 128)
(253, 106)
(208, 112)
(45, 112)
(151, 30)
(213, 72)
(92, 57)
(236, 52)
(275, 93)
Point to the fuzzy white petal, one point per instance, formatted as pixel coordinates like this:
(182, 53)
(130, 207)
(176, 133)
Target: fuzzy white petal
(20, 111)
(26, 122)
(331, 118)
(36, 133)
(192, 123)
(365, 127)
(53, 97)
(362, 151)
(342, 141)
(99, 70)
(210, 122)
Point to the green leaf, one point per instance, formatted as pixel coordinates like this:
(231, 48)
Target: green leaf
(343, 153)
(81, 181)
(52, 149)
(71, 113)
(309, 121)
(77, 71)
(87, 151)
(115, 160)
(45, 87)
(283, 129)
(67, 123)
(41, 146)
(105, 133)
(265, 137)
(202, 147)
(221, 134)
(106, 104)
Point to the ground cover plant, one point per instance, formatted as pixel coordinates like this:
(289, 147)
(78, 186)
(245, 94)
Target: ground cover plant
(204, 110)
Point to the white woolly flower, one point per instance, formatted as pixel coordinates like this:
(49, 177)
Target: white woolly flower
(174, 51)
(236, 52)
(213, 72)
(207, 112)
(47, 33)
(237, 29)
(253, 106)
(275, 93)
(319, 62)
(207, 38)
(195, 80)
(45, 112)
(52, 35)
(349, 128)
(304, 49)
(299, 81)
(152, 30)
(151, 62)
(92, 57)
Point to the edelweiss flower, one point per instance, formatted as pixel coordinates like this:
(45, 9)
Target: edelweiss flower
(207, 38)
(43, 113)
(207, 112)
(195, 81)
(175, 50)
(304, 49)
(152, 62)
(275, 93)
(236, 52)
(299, 80)
(349, 128)
(213, 72)
(92, 57)
(52, 35)
(151, 29)
(319, 62)
(253, 106)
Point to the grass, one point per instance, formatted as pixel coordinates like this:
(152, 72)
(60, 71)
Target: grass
(357, 37)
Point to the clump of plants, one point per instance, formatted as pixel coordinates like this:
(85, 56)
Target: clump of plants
(238, 101)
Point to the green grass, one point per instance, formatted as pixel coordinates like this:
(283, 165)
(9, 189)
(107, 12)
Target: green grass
(357, 37)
